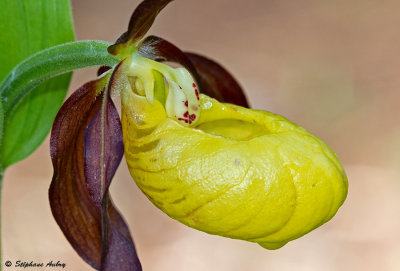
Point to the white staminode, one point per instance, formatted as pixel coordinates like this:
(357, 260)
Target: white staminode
(182, 96)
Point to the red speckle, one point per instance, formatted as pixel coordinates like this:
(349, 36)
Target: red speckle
(186, 104)
(194, 85)
(185, 120)
(197, 94)
(192, 117)
(186, 114)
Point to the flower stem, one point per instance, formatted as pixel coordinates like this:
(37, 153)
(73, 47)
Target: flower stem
(48, 63)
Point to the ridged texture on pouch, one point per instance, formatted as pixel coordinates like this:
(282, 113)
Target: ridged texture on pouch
(239, 173)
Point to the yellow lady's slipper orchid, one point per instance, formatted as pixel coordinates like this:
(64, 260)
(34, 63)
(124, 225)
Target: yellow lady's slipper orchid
(217, 167)
(231, 171)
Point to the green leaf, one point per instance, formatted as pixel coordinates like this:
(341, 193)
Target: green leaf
(26, 27)
(1, 123)
(30, 123)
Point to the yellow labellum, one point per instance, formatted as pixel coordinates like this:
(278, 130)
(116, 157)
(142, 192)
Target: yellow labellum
(237, 172)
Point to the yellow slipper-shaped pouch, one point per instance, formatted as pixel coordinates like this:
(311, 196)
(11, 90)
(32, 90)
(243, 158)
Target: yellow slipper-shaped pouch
(228, 170)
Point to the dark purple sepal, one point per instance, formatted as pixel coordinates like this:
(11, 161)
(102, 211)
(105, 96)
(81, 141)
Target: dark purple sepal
(87, 134)
(119, 250)
(71, 205)
(103, 148)
(141, 20)
(143, 17)
(103, 153)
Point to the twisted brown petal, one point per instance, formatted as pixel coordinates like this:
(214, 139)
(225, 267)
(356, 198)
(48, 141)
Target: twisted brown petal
(86, 149)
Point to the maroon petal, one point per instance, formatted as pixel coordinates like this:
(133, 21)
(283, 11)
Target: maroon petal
(71, 204)
(143, 17)
(217, 82)
(103, 148)
(212, 78)
(141, 20)
(103, 152)
(86, 149)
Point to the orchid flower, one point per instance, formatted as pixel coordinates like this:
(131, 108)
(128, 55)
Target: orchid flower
(192, 146)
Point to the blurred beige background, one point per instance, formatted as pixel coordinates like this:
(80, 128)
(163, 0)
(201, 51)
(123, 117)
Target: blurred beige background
(330, 66)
